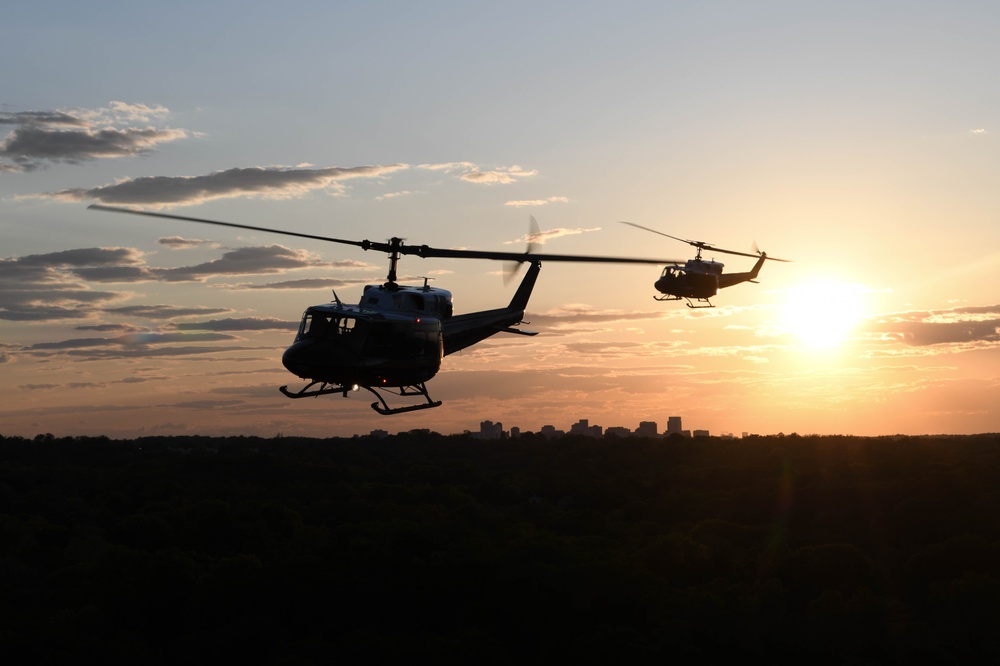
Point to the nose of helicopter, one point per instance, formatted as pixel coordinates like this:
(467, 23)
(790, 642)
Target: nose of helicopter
(294, 360)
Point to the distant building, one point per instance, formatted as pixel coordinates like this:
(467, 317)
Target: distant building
(647, 429)
(490, 430)
(617, 431)
(515, 432)
(701, 433)
(551, 432)
(674, 426)
(583, 427)
(378, 433)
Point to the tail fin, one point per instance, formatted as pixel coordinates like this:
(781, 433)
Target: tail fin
(523, 293)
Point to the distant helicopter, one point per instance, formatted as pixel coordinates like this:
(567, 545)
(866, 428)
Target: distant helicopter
(698, 279)
(393, 341)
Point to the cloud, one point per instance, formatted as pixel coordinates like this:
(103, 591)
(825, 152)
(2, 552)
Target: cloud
(131, 339)
(393, 195)
(72, 136)
(82, 257)
(471, 173)
(206, 404)
(304, 283)
(163, 311)
(962, 326)
(42, 287)
(571, 315)
(503, 176)
(536, 202)
(255, 260)
(179, 242)
(756, 359)
(242, 324)
(106, 328)
(79, 385)
(144, 352)
(274, 182)
(541, 237)
(54, 286)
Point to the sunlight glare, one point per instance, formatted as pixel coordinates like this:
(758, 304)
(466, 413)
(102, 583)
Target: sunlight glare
(822, 314)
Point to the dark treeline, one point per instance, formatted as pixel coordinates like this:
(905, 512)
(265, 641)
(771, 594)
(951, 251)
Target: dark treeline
(447, 548)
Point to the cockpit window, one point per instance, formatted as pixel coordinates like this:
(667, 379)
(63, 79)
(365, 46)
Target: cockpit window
(319, 325)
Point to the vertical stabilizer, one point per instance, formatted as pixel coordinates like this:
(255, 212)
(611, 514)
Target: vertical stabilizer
(523, 293)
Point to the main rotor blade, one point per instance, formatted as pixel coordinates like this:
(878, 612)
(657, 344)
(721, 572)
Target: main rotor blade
(639, 226)
(396, 245)
(704, 246)
(426, 251)
(132, 211)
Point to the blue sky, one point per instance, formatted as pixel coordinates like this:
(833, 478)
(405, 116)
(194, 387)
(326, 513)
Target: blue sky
(857, 138)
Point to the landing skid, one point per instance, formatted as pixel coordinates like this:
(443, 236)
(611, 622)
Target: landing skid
(382, 407)
(690, 304)
(316, 389)
(325, 388)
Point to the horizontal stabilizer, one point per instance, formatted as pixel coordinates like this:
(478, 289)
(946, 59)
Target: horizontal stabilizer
(508, 329)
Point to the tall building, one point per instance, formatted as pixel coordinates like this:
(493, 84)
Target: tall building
(490, 430)
(674, 426)
(647, 429)
(550, 431)
(583, 427)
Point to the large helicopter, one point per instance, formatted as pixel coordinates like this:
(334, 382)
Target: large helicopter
(697, 280)
(393, 341)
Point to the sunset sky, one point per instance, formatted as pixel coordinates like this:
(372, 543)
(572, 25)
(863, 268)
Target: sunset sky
(859, 139)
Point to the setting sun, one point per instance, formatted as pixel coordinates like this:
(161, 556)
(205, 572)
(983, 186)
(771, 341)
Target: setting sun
(822, 314)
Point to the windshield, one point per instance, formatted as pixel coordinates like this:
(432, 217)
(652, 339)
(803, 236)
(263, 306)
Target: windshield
(322, 325)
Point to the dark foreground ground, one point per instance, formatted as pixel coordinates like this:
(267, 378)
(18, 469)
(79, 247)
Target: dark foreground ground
(821, 550)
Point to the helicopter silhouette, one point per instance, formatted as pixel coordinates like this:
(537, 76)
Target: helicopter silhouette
(393, 341)
(697, 280)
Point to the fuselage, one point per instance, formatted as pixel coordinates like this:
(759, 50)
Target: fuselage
(393, 337)
(696, 279)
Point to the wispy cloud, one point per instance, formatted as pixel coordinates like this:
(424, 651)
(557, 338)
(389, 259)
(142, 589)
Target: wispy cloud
(961, 326)
(42, 287)
(256, 260)
(393, 195)
(59, 285)
(524, 203)
(72, 136)
(304, 283)
(163, 311)
(180, 243)
(272, 182)
(502, 176)
(240, 324)
(541, 237)
(131, 339)
(472, 173)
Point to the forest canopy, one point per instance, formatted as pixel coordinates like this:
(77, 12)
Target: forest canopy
(447, 547)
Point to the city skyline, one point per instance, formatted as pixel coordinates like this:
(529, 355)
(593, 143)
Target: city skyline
(859, 141)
